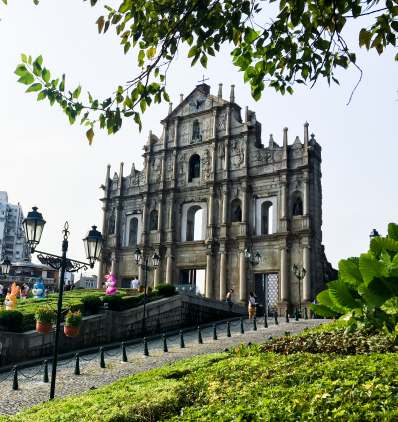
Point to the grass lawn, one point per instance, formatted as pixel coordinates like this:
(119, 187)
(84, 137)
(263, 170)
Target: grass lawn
(72, 297)
(244, 385)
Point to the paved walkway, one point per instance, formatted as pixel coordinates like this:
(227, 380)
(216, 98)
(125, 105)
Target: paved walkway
(32, 390)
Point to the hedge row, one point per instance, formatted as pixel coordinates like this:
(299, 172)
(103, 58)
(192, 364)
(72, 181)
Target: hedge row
(17, 321)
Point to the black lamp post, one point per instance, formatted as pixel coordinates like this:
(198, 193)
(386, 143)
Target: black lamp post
(300, 273)
(254, 259)
(5, 267)
(33, 226)
(374, 233)
(143, 260)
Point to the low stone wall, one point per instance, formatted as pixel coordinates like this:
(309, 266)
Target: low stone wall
(162, 316)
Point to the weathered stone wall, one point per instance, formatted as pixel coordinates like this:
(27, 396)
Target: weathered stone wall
(164, 315)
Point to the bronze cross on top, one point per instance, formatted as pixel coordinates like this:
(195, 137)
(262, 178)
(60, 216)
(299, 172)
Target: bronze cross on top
(203, 80)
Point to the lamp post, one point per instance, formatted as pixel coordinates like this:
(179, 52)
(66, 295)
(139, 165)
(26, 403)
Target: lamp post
(143, 260)
(5, 267)
(33, 226)
(254, 259)
(300, 273)
(374, 233)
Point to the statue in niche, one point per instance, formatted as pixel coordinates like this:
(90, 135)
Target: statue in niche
(298, 206)
(221, 121)
(206, 164)
(238, 156)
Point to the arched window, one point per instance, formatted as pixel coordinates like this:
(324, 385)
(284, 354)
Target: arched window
(266, 217)
(236, 210)
(194, 167)
(195, 130)
(194, 223)
(111, 223)
(297, 204)
(153, 220)
(133, 231)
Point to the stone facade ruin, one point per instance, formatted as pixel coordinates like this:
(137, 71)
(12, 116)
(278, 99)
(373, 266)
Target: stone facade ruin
(213, 199)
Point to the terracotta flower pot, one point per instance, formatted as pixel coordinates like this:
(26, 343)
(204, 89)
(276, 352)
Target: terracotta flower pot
(70, 331)
(43, 327)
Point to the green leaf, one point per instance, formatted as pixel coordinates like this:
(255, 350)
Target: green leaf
(100, 23)
(42, 95)
(349, 272)
(322, 310)
(62, 84)
(371, 268)
(26, 78)
(90, 135)
(341, 295)
(46, 75)
(35, 87)
(393, 231)
(378, 244)
(76, 92)
(21, 70)
(364, 38)
(24, 58)
(390, 306)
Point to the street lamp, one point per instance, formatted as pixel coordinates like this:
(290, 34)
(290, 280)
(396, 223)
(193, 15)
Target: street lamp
(374, 233)
(5, 267)
(143, 260)
(300, 273)
(33, 226)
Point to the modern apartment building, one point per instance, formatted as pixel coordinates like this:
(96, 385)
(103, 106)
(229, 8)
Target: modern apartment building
(12, 237)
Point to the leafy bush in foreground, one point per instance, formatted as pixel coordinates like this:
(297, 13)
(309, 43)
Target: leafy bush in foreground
(337, 341)
(11, 320)
(245, 385)
(366, 293)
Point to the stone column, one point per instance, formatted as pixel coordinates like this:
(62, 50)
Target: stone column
(242, 277)
(160, 216)
(306, 195)
(156, 277)
(144, 218)
(284, 200)
(223, 275)
(244, 204)
(307, 278)
(169, 269)
(210, 210)
(224, 207)
(209, 275)
(284, 277)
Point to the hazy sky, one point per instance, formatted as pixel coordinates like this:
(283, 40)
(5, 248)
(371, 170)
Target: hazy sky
(46, 162)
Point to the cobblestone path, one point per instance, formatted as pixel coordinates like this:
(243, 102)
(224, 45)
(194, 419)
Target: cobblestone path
(32, 390)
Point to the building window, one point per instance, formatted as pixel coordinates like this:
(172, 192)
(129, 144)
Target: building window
(153, 220)
(133, 231)
(266, 217)
(236, 210)
(111, 223)
(194, 223)
(297, 204)
(194, 167)
(195, 130)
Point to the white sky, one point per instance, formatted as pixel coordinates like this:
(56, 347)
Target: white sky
(46, 162)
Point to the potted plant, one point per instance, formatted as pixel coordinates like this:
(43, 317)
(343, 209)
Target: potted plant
(72, 323)
(44, 319)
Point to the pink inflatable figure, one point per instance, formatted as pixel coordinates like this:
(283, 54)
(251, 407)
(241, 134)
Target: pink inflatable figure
(110, 284)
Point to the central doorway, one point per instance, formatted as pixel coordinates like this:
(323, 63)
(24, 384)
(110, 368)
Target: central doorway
(267, 292)
(193, 279)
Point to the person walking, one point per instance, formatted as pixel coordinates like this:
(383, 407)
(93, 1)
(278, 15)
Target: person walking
(252, 305)
(228, 298)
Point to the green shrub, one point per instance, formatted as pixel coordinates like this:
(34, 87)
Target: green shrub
(366, 292)
(91, 304)
(114, 303)
(337, 341)
(45, 315)
(11, 320)
(73, 319)
(166, 290)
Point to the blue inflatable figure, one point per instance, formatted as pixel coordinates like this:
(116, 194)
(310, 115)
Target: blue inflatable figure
(38, 289)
